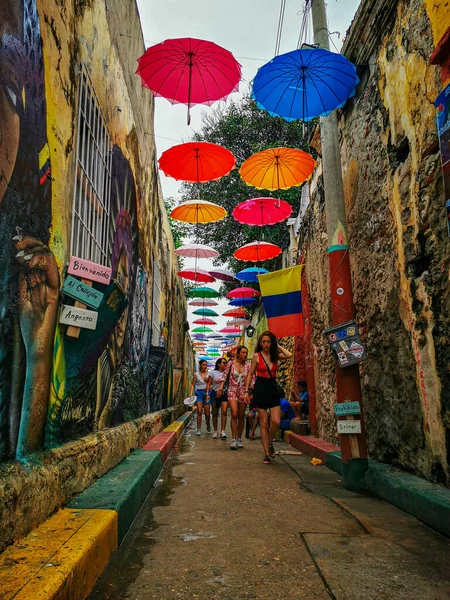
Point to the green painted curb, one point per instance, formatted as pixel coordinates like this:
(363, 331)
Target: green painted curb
(334, 462)
(123, 488)
(353, 474)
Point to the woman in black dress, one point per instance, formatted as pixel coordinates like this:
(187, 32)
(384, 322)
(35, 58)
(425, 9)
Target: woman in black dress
(265, 395)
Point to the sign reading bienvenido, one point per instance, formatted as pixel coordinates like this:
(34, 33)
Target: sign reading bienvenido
(70, 315)
(82, 292)
(89, 270)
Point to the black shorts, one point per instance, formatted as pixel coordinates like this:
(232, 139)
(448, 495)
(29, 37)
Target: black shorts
(264, 394)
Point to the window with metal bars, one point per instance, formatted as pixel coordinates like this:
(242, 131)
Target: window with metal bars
(91, 206)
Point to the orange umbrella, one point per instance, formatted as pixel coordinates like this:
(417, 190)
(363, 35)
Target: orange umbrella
(277, 168)
(257, 251)
(196, 162)
(198, 211)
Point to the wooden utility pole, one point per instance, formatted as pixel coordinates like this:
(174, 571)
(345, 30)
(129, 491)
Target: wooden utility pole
(348, 386)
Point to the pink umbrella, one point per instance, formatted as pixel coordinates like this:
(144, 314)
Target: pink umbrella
(257, 251)
(196, 251)
(262, 211)
(230, 330)
(204, 322)
(203, 302)
(222, 274)
(243, 292)
(196, 275)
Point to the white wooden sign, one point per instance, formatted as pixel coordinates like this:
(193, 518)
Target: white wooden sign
(349, 427)
(70, 315)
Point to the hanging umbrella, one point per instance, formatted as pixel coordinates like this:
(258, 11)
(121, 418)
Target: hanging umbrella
(243, 302)
(257, 251)
(189, 71)
(203, 302)
(201, 330)
(262, 211)
(196, 275)
(304, 84)
(277, 168)
(204, 322)
(196, 251)
(229, 330)
(251, 274)
(204, 357)
(198, 211)
(205, 312)
(203, 292)
(222, 274)
(196, 162)
(237, 322)
(199, 336)
(235, 312)
(243, 292)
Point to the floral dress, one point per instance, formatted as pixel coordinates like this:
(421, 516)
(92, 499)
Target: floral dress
(237, 382)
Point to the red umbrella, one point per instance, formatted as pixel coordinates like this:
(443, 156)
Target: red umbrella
(257, 251)
(262, 211)
(222, 274)
(235, 312)
(189, 71)
(196, 162)
(243, 292)
(204, 322)
(230, 330)
(196, 275)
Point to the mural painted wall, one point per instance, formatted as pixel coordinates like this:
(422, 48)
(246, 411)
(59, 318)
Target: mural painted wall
(398, 242)
(69, 99)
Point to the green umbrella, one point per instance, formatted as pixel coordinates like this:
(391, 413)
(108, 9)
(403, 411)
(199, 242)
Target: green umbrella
(203, 292)
(201, 329)
(205, 312)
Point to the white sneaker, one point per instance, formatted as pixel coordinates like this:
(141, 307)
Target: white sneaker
(239, 443)
(198, 432)
(215, 435)
(223, 435)
(233, 445)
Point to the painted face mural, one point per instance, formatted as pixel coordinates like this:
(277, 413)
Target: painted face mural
(29, 281)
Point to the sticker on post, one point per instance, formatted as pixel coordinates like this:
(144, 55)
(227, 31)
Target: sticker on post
(70, 315)
(82, 292)
(89, 270)
(356, 350)
(349, 427)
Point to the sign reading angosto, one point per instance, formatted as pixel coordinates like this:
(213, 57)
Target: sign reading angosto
(70, 315)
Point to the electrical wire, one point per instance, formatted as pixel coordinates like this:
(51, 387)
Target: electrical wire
(280, 27)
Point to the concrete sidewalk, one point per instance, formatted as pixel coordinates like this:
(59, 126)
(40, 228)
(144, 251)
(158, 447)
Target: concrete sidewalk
(221, 525)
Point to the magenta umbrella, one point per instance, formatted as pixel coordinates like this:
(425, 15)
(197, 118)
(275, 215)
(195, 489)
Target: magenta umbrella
(243, 292)
(196, 275)
(230, 330)
(204, 322)
(262, 211)
(222, 274)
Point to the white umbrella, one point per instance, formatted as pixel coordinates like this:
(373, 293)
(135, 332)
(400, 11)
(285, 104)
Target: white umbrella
(203, 302)
(196, 251)
(237, 322)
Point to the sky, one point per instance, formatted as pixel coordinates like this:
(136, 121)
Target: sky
(248, 29)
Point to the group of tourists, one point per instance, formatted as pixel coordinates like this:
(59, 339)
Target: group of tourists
(239, 383)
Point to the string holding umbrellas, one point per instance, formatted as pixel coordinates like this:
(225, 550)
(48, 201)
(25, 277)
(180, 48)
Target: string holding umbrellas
(298, 85)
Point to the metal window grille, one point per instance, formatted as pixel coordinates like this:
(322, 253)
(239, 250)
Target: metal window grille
(156, 305)
(91, 207)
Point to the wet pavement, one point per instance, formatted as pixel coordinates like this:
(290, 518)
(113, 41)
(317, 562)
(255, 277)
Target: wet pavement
(221, 525)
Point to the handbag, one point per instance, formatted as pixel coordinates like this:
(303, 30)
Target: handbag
(278, 389)
(224, 397)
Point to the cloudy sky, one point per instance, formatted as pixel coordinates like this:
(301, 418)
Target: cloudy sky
(247, 28)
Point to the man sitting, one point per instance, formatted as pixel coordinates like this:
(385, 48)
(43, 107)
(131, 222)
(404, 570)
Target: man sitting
(287, 414)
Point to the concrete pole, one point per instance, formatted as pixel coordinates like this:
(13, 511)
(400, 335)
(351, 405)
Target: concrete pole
(348, 385)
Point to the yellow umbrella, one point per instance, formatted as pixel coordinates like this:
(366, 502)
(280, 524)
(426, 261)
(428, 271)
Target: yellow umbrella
(277, 168)
(198, 211)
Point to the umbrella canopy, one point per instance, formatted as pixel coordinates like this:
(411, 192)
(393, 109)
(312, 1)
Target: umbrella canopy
(235, 312)
(196, 251)
(201, 330)
(199, 336)
(205, 312)
(204, 322)
(257, 251)
(189, 71)
(196, 162)
(251, 274)
(222, 274)
(198, 211)
(277, 168)
(229, 330)
(203, 292)
(243, 292)
(262, 211)
(304, 84)
(203, 302)
(243, 302)
(237, 322)
(196, 275)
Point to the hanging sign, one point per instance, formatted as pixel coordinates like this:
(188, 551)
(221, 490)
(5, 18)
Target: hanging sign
(80, 291)
(70, 315)
(347, 408)
(345, 341)
(89, 270)
(349, 427)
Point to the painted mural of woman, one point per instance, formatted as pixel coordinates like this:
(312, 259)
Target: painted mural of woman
(29, 279)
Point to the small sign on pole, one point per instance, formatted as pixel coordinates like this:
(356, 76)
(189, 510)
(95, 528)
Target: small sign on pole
(345, 341)
(89, 270)
(349, 427)
(347, 408)
(80, 291)
(70, 315)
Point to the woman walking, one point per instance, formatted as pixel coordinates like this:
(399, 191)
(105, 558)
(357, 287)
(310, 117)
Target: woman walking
(265, 396)
(237, 374)
(199, 382)
(212, 387)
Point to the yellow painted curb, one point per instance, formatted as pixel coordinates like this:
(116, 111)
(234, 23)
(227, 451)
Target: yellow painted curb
(177, 426)
(286, 436)
(62, 558)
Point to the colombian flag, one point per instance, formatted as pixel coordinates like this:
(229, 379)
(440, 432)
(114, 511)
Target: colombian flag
(282, 299)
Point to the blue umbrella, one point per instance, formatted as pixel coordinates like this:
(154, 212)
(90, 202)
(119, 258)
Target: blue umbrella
(251, 274)
(304, 84)
(243, 302)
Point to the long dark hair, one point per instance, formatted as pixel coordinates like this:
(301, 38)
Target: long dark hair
(273, 345)
(239, 348)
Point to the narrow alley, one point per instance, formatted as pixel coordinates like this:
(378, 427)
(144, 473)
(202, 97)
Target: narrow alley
(221, 525)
